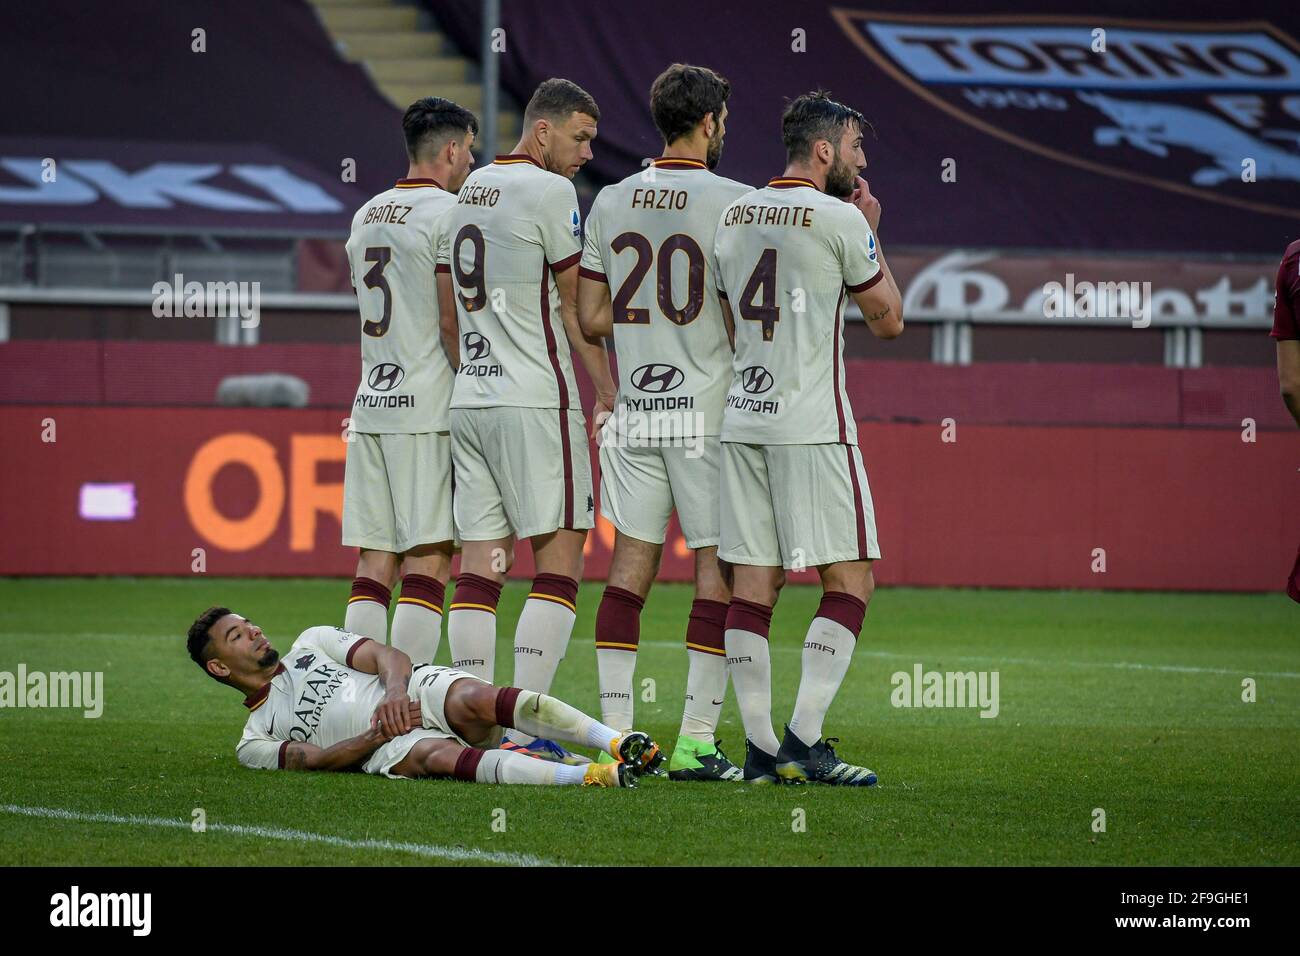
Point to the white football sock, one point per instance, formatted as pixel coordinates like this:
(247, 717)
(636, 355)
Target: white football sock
(542, 636)
(706, 684)
(367, 612)
(750, 665)
(472, 625)
(541, 716)
(827, 650)
(706, 674)
(616, 669)
(618, 633)
(417, 621)
(502, 766)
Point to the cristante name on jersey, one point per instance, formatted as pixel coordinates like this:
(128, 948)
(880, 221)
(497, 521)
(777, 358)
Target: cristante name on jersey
(318, 689)
(394, 213)
(384, 401)
(659, 198)
(759, 214)
(759, 405)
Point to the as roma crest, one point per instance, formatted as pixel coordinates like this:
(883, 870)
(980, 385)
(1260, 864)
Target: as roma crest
(1206, 109)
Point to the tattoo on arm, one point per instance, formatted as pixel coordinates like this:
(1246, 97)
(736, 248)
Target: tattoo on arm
(876, 316)
(295, 758)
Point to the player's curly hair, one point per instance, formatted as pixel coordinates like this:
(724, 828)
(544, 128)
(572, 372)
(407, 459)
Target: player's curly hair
(429, 122)
(198, 641)
(682, 95)
(812, 117)
(555, 99)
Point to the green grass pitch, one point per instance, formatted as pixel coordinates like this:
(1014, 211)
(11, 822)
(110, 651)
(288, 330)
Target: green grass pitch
(1130, 703)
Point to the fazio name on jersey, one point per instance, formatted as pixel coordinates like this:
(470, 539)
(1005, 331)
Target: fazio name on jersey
(659, 199)
(318, 690)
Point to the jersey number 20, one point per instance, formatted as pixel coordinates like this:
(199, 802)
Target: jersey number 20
(625, 314)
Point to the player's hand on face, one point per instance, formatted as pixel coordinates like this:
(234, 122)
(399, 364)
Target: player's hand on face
(868, 204)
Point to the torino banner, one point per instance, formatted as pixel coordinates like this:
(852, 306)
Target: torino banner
(1027, 125)
(174, 491)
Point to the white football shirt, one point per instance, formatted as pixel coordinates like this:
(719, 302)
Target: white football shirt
(513, 224)
(650, 237)
(406, 379)
(787, 255)
(315, 697)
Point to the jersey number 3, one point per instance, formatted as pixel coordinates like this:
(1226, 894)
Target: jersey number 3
(374, 279)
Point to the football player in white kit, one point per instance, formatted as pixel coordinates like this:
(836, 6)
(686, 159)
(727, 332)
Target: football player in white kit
(794, 487)
(647, 279)
(397, 481)
(340, 701)
(509, 258)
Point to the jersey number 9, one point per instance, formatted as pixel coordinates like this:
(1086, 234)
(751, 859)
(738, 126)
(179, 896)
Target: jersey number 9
(471, 281)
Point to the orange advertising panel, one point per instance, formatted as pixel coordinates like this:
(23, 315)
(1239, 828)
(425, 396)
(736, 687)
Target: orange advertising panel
(180, 491)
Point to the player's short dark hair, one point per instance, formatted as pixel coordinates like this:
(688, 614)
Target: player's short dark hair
(199, 641)
(429, 122)
(555, 99)
(812, 117)
(682, 95)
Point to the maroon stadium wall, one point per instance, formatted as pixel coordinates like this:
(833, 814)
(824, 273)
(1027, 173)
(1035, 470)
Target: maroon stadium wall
(52, 372)
(139, 490)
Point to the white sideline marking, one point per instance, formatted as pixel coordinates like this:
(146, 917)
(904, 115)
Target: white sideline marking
(1114, 665)
(787, 648)
(279, 833)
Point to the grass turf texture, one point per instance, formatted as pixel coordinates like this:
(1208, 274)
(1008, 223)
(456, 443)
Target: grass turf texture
(1127, 702)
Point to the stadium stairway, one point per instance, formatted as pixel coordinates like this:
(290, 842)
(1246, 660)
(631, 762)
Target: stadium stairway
(407, 57)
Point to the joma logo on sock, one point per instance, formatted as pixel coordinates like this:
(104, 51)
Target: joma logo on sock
(102, 909)
(947, 689)
(615, 695)
(529, 650)
(819, 647)
(469, 662)
(740, 660)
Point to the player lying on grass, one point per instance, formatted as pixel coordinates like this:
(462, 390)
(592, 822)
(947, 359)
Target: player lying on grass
(340, 701)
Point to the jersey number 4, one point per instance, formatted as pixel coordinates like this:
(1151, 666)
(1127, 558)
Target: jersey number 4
(762, 282)
(374, 279)
(625, 314)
